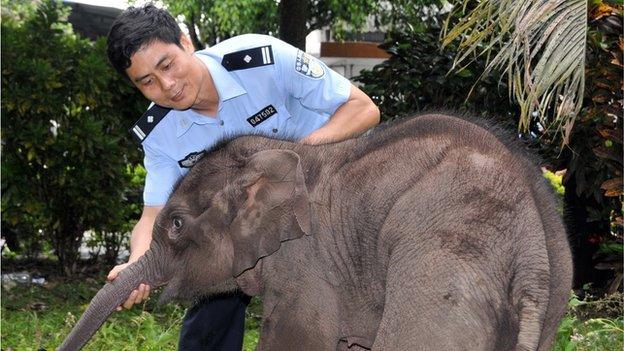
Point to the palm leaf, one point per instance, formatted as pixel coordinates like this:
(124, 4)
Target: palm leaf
(540, 46)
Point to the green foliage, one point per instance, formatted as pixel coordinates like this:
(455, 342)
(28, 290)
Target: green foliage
(555, 181)
(219, 20)
(594, 334)
(253, 323)
(213, 21)
(344, 18)
(597, 164)
(594, 160)
(114, 236)
(416, 76)
(407, 16)
(65, 145)
(611, 247)
(524, 40)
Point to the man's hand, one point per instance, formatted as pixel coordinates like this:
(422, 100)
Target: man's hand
(137, 296)
(354, 117)
(312, 139)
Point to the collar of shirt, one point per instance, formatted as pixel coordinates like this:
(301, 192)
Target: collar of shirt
(226, 86)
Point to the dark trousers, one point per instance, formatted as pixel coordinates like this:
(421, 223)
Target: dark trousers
(216, 324)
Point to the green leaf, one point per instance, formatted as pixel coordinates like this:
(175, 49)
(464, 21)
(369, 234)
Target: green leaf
(541, 48)
(30, 155)
(571, 346)
(575, 302)
(464, 73)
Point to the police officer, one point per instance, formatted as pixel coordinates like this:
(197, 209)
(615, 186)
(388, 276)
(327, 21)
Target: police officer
(247, 84)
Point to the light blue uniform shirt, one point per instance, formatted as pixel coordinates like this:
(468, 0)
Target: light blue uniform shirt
(287, 94)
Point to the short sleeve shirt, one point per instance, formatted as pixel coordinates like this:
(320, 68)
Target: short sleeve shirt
(265, 86)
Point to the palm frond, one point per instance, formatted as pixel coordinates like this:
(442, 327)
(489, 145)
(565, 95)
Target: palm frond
(540, 46)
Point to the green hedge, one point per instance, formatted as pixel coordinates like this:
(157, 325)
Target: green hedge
(64, 140)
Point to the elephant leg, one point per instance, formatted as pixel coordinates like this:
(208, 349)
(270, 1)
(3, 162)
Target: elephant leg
(436, 302)
(300, 322)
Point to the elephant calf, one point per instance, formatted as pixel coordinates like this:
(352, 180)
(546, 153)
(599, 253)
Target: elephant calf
(428, 234)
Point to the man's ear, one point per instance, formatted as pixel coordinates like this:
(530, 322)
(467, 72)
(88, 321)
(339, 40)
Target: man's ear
(276, 207)
(187, 43)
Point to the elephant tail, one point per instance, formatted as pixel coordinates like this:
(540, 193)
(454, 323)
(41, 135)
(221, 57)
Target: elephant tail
(532, 313)
(542, 271)
(530, 292)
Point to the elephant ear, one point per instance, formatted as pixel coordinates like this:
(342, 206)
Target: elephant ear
(276, 208)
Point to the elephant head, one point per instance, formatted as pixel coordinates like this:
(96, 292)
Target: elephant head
(230, 211)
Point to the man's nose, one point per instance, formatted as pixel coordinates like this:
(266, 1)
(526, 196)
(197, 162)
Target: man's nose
(167, 83)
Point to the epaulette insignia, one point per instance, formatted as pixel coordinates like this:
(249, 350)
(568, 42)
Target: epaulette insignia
(250, 58)
(148, 121)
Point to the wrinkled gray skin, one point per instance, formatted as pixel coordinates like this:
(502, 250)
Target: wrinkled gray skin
(430, 234)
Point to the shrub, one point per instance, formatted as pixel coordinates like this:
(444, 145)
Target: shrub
(418, 74)
(581, 329)
(65, 114)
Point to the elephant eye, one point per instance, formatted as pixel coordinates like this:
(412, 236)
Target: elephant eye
(177, 222)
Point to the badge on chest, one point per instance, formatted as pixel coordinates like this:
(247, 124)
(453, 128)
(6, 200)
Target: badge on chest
(262, 115)
(191, 159)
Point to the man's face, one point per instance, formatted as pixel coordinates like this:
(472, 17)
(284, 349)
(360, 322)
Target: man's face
(166, 74)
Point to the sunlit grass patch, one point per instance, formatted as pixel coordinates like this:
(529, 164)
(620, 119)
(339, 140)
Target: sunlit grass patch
(35, 318)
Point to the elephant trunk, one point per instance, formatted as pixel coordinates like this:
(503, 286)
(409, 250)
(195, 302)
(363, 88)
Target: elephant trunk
(148, 269)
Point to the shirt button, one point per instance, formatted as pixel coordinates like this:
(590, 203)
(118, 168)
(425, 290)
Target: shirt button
(274, 130)
(221, 123)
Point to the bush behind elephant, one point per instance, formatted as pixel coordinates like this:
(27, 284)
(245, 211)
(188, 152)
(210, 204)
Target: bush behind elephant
(429, 234)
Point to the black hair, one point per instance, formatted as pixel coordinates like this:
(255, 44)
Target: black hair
(136, 27)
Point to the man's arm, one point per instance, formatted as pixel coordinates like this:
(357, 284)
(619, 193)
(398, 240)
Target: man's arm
(319, 88)
(142, 232)
(354, 117)
(139, 243)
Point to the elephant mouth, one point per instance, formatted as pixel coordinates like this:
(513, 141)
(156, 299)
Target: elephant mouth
(180, 289)
(169, 293)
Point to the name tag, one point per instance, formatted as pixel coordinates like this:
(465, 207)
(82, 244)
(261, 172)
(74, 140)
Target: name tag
(262, 116)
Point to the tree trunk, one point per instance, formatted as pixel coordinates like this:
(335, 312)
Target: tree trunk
(66, 243)
(193, 34)
(293, 22)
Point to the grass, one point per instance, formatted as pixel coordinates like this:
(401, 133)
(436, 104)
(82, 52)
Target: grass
(592, 324)
(36, 318)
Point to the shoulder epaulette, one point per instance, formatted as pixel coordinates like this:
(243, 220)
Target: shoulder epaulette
(249, 58)
(148, 121)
